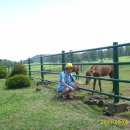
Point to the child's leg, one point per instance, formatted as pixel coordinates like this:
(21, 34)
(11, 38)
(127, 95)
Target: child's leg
(66, 91)
(76, 87)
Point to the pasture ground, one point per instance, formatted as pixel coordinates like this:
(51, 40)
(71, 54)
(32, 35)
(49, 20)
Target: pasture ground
(26, 109)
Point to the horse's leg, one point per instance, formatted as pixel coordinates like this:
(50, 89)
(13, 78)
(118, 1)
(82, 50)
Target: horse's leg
(94, 84)
(77, 73)
(112, 87)
(99, 82)
(111, 76)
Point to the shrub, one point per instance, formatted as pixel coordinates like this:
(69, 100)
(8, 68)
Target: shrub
(18, 69)
(18, 81)
(3, 72)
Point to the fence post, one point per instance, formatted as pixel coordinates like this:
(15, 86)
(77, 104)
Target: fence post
(41, 61)
(29, 66)
(116, 72)
(63, 60)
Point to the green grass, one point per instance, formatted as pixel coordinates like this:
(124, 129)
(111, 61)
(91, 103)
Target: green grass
(26, 109)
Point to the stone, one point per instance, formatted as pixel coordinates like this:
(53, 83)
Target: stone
(116, 108)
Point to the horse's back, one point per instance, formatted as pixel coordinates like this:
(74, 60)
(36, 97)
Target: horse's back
(103, 70)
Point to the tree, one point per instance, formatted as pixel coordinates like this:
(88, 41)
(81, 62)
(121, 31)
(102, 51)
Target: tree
(121, 51)
(127, 48)
(3, 72)
(100, 54)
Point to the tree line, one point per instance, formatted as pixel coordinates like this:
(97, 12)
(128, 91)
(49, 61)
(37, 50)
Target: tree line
(6, 63)
(89, 56)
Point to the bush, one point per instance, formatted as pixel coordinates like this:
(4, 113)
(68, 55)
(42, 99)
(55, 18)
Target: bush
(3, 72)
(18, 81)
(18, 69)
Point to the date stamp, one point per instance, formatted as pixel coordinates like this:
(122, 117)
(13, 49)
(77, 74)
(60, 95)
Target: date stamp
(103, 122)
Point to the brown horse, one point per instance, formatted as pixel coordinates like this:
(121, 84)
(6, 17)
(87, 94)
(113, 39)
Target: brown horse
(76, 69)
(99, 71)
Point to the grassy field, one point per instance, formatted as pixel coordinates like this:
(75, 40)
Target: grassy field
(26, 109)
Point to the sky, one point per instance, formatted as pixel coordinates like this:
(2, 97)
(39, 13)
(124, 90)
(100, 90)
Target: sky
(34, 27)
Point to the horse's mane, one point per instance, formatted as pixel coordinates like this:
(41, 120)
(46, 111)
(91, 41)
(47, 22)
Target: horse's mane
(91, 68)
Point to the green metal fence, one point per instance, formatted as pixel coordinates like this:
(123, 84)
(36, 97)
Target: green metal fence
(63, 61)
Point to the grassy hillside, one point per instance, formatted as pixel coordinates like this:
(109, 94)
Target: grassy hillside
(26, 109)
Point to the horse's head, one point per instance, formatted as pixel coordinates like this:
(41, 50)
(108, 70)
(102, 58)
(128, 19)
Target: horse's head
(88, 73)
(73, 69)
